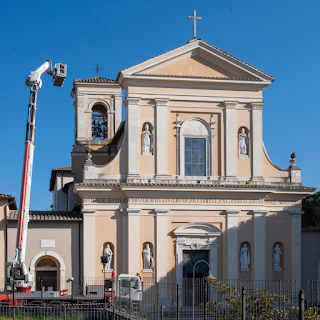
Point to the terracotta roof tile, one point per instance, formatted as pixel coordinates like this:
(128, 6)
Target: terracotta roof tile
(48, 215)
(62, 169)
(96, 80)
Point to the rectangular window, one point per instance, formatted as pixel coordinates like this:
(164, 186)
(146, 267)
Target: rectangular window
(195, 156)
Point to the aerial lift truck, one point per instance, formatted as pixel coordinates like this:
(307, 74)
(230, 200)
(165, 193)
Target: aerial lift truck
(17, 274)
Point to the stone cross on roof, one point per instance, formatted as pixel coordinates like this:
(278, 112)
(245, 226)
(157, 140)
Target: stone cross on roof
(195, 18)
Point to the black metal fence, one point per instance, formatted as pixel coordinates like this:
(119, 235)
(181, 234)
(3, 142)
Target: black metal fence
(98, 298)
(61, 312)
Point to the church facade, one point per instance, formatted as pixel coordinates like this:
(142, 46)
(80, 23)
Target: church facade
(187, 174)
(184, 178)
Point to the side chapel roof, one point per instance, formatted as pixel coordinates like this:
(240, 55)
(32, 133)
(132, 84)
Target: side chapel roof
(48, 215)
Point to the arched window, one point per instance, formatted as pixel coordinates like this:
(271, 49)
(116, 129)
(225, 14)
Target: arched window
(195, 148)
(99, 122)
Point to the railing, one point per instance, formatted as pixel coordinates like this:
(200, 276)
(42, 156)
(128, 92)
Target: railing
(97, 298)
(60, 312)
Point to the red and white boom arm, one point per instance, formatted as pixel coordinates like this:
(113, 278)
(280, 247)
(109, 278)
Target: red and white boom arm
(19, 269)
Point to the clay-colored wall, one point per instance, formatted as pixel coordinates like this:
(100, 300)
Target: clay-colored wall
(279, 230)
(310, 257)
(243, 116)
(179, 88)
(245, 234)
(198, 66)
(65, 234)
(108, 228)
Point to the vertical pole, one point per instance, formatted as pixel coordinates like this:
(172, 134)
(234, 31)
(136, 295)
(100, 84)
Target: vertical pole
(177, 301)
(205, 300)
(14, 313)
(41, 294)
(193, 292)
(301, 305)
(158, 301)
(162, 308)
(13, 288)
(243, 303)
(65, 313)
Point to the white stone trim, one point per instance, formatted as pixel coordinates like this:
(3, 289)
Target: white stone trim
(230, 140)
(259, 244)
(62, 269)
(231, 238)
(206, 238)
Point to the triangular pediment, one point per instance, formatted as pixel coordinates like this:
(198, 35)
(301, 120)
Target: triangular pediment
(197, 59)
(197, 64)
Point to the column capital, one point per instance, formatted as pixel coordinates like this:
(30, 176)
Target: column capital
(259, 213)
(257, 105)
(132, 100)
(231, 213)
(161, 212)
(161, 102)
(131, 212)
(230, 104)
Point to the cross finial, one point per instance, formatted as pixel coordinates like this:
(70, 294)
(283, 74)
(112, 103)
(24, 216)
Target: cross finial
(97, 69)
(195, 18)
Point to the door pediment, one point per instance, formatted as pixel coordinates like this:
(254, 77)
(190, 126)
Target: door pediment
(197, 229)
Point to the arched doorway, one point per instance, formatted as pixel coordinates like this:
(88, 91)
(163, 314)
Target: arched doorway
(47, 275)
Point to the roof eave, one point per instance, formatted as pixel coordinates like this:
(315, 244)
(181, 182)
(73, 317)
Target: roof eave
(194, 79)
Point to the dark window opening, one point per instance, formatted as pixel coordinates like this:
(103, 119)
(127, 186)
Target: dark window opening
(99, 123)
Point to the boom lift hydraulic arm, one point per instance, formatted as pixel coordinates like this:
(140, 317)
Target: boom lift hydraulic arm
(17, 271)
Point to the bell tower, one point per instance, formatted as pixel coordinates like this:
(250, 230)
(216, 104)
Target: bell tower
(97, 117)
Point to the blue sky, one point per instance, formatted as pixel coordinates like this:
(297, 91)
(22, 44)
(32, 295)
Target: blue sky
(279, 37)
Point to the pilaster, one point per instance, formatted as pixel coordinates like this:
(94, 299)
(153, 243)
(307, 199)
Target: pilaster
(230, 139)
(161, 137)
(212, 127)
(260, 244)
(132, 123)
(89, 258)
(131, 241)
(118, 111)
(256, 134)
(161, 243)
(296, 247)
(232, 243)
(80, 133)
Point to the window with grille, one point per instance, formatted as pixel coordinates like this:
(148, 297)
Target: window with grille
(195, 156)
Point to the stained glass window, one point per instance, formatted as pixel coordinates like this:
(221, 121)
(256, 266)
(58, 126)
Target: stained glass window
(195, 156)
